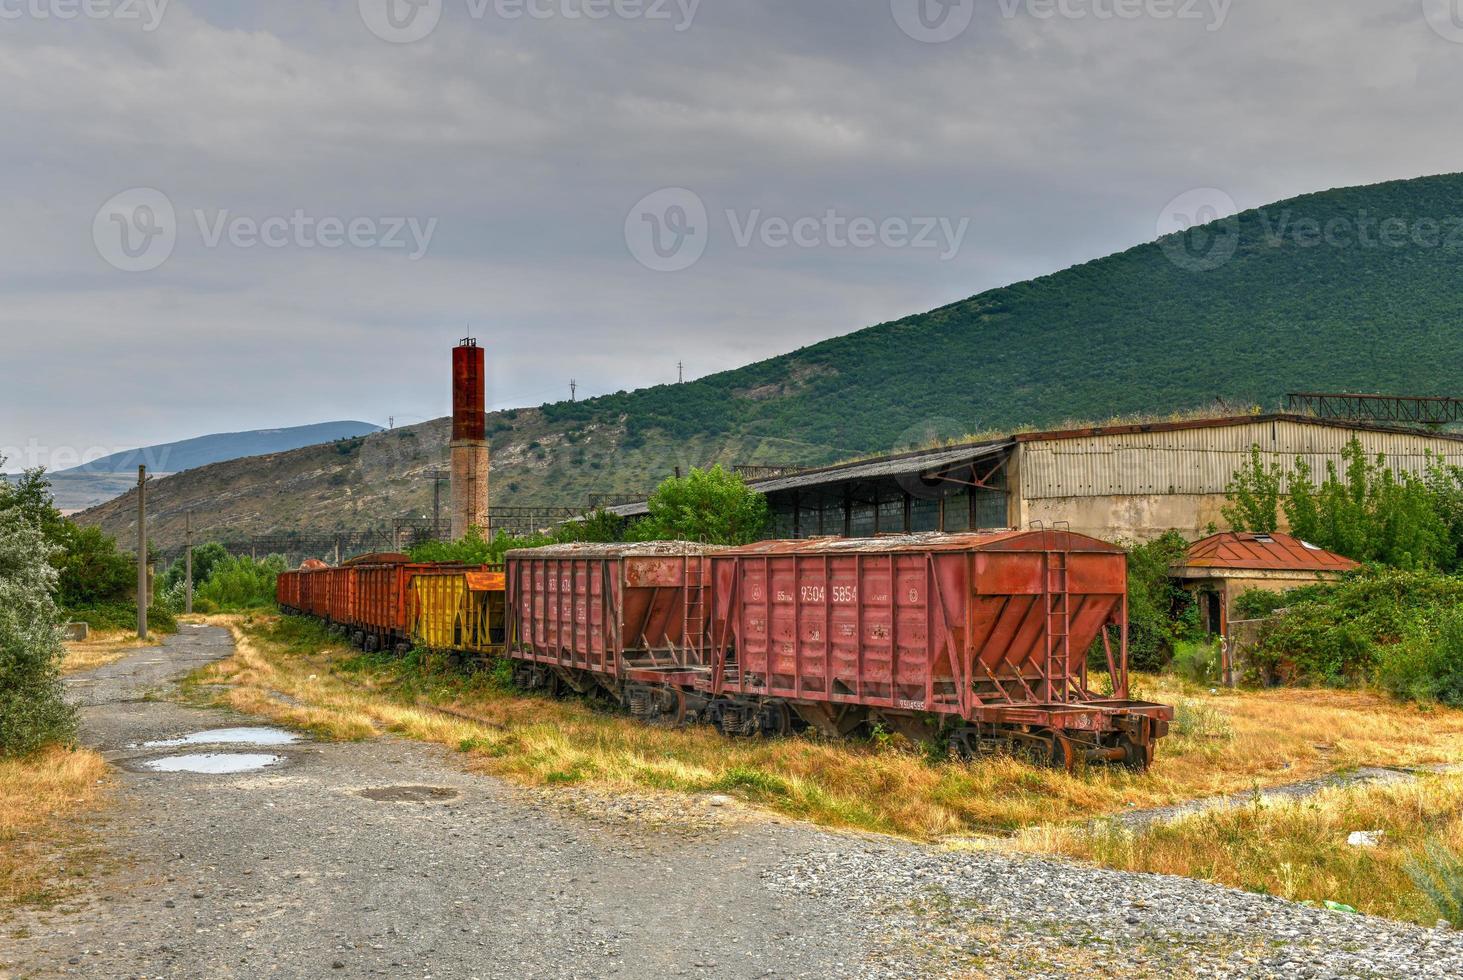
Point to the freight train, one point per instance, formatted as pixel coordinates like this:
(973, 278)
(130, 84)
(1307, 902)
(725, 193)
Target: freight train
(980, 640)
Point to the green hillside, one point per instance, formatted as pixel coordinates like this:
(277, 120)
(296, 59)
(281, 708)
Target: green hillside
(1134, 332)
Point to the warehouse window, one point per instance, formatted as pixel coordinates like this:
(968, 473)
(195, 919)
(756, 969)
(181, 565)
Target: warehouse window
(990, 510)
(957, 512)
(924, 514)
(891, 514)
(862, 523)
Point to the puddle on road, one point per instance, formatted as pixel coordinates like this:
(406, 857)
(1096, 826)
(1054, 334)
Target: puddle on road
(226, 736)
(409, 794)
(213, 763)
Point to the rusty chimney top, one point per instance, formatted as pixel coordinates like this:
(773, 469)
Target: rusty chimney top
(470, 462)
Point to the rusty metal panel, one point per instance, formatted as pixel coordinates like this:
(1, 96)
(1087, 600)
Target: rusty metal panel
(601, 607)
(341, 606)
(915, 623)
(1202, 459)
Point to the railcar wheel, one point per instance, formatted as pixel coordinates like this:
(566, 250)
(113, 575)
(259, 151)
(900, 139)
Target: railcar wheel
(1137, 756)
(1064, 753)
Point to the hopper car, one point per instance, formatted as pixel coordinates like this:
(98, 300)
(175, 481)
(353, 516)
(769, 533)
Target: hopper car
(980, 640)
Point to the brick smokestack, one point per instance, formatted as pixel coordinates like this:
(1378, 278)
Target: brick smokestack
(469, 439)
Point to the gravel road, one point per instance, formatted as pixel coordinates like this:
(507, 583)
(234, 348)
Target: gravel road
(385, 858)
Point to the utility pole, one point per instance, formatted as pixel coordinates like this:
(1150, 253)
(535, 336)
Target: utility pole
(391, 421)
(188, 561)
(437, 477)
(142, 552)
(573, 390)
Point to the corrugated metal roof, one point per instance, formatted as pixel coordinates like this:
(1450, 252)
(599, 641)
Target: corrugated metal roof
(906, 464)
(1263, 552)
(632, 549)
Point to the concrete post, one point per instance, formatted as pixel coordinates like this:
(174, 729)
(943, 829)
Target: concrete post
(188, 561)
(142, 552)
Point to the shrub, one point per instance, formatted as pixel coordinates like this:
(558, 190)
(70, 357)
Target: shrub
(113, 616)
(1159, 612)
(1438, 874)
(712, 506)
(1427, 666)
(1199, 661)
(241, 583)
(33, 712)
(92, 569)
(1337, 634)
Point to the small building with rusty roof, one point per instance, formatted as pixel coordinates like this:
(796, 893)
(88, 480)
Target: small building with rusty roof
(1222, 567)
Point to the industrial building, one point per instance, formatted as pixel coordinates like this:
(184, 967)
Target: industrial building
(1117, 482)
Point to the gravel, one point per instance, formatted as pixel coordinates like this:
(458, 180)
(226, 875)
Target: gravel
(387, 858)
(928, 912)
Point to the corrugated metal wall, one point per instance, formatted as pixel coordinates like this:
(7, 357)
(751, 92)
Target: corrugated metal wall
(1202, 460)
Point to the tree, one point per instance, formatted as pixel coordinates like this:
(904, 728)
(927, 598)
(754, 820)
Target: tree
(205, 558)
(92, 569)
(1368, 512)
(33, 712)
(710, 506)
(1253, 496)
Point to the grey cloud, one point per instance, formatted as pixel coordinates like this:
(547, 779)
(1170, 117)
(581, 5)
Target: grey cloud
(529, 141)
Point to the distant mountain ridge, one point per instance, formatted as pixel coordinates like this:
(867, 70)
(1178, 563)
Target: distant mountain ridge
(104, 479)
(188, 454)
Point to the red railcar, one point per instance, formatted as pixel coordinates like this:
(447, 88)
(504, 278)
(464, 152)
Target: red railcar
(621, 616)
(984, 637)
(981, 639)
(380, 601)
(287, 591)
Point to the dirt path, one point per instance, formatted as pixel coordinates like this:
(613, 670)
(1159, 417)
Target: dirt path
(384, 858)
(291, 871)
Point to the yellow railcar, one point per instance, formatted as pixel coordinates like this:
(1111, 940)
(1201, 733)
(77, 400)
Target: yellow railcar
(459, 609)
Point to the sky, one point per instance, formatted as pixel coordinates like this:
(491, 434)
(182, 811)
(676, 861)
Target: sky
(222, 216)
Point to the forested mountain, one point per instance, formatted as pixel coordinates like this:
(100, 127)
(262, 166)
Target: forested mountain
(1359, 289)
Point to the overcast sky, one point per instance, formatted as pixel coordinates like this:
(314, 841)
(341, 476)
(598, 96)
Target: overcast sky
(222, 216)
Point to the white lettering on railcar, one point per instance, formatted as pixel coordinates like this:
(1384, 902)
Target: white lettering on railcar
(912, 705)
(845, 593)
(813, 593)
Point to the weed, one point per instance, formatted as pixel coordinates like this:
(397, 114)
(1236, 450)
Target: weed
(1438, 874)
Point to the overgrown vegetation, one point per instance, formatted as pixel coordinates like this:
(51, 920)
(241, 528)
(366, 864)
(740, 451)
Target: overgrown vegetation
(1160, 614)
(711, 506)
(1362, 509)
(1299, 850)
(33, 711)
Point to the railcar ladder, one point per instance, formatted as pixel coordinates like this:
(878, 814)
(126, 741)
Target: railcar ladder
(694, 621)
(1057, 544)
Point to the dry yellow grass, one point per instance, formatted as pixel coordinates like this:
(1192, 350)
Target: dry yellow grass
(38, 796)
(287, 671)
(1295, 849)
(102, 649)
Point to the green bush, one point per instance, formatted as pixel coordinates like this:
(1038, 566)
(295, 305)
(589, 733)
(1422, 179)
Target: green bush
(240, 584)
(33, 711)
(93, 570)
(712, 506)
(113, 616)
(205, 558)
(1159, 612)
(1338, 634)
(1427, 666)
(1199, 661)
(1438, 874)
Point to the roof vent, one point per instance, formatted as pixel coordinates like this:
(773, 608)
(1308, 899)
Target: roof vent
(1264, 539)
